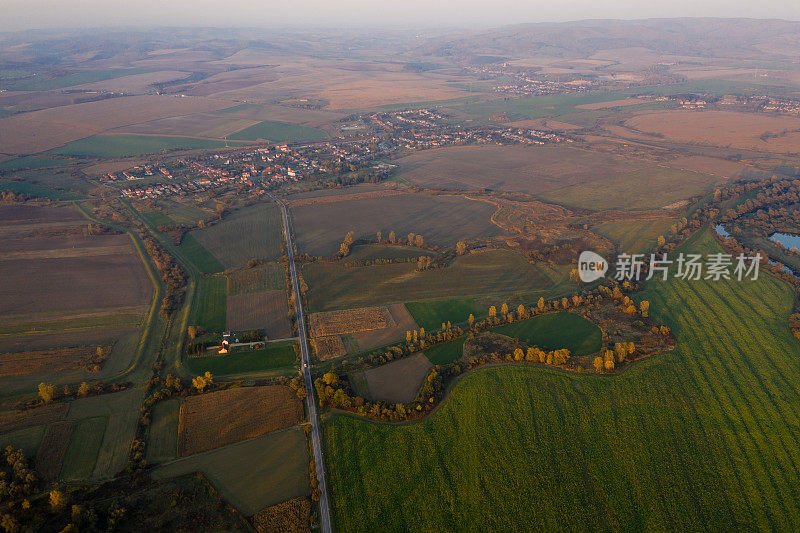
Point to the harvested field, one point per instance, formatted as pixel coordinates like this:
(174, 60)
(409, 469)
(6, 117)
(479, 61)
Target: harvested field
(34, 362)
(269, 277)
(531, 170)
(292, 516)
(120, 145)
(49, 128)
(441, 220)
(398, 381)
(402, 321)
(13, 419)
(211, 420)
(52, 450)
(613, 103)
(333, 198)
(495, 272)
(266, 310)
(709, 165)
(723, 128)
(209, 125)
(328, 347)
(350, 321)
(247, 233)
(648, 188)
(253, 474)
(278, 132)
(634, 236)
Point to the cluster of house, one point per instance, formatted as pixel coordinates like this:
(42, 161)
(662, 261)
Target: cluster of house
(759, 103)
(423, 129)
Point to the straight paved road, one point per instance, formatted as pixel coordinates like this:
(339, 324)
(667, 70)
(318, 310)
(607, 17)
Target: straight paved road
(316, 443)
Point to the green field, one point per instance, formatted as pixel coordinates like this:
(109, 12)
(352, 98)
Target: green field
(430, 315)
(40, 191)
(27, 439)
(279, 132)
(635, 236)
(84, 446)
(121, 410)
(447, 352)
(254, 232)
(199, 256)
(252, 474)
(130, 145)
(648, 188)
(539, 106)
(491, 273)
(212, 304)
(42, 83)
(162, 437)
(276, 355)
(555, 331)
(31, 162)
(706, 437)
(441, 220)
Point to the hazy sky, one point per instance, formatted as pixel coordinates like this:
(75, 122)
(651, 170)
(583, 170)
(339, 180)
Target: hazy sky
(24, 14)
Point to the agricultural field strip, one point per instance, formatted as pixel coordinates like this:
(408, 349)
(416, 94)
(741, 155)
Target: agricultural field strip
(67, 252)
(330, 199)
(351, 321)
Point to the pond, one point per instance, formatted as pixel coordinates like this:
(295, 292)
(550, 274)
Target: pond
(787, 240)
(720, 229)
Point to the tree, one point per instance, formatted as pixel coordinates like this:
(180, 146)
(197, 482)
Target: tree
(392, 237)
(661, 240)
(564, 302)
(83, 389)
(645, 308)
(411, 239)
(380, 236)
(419, 242)
(344, 248)
(471, 319)
(521, 311)
(492, 311)
(47, 392)
(421, 333)
(329, 378)
(609, 365)
(574, 275)
(58, 500)
(540, 304)
(598, 363)
(461, 248)
(519, 355)
(203, 382)
(192, 331)
(504, 309)
(9, 524)
(408, 336)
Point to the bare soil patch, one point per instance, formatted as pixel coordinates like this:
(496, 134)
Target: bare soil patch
(399, 381)
(259, 310)
(208, 421)
(34, 362)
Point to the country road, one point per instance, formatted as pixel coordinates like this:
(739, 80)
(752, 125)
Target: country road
(316, 442)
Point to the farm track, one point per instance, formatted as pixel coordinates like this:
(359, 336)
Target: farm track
(316, 443)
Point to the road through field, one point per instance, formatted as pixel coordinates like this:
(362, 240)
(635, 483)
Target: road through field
(324, 507)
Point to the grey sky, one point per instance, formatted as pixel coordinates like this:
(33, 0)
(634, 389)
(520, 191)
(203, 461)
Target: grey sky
(24, 14)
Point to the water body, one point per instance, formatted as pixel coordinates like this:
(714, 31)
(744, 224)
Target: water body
(787, 240)
(720, 229)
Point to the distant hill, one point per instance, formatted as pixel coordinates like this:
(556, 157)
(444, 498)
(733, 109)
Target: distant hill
(710, 37)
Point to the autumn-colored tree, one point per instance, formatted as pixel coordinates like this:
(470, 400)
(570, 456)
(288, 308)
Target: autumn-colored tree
(9, 523)
(83, 389)
(421, 333)
(419, 242)
(519, 355)
(661, 240)
(329, 378)
(620, 351)
(598, 363)
(574, 275)
(540, 303)
(461, 248)
(192, 331)
(564, 302)
(644, 307)
(492, 311)
(530, 355)
(609, 365)
(47, 392)
(344, 248)
(416, 336)
(504, 309)
(58, 500)
(471, 319)
(521, 311)
(408, 336)
(203, 382)
(392, 237)
(380, 236)
(411, 239)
